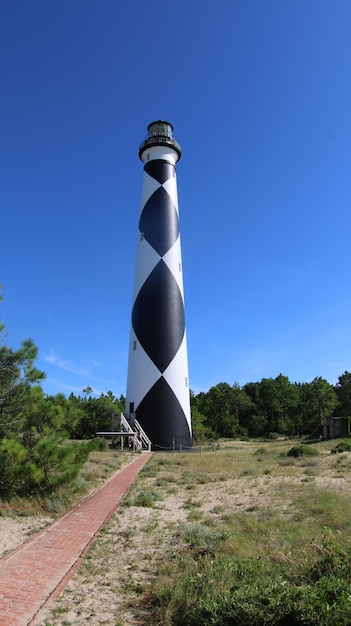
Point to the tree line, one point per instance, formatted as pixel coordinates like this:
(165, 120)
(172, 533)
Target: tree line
(39, 433)
(273, 405)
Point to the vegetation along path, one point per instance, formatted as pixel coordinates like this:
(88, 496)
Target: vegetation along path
(40, 568)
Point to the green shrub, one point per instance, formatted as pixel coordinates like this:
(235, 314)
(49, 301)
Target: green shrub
(223, 591)
(343, 446)
(302, 450)
(260, 451)
(201, 540)
(38, 464)
(273, 436)
(55, 503)
(98, 443)
(146, 498)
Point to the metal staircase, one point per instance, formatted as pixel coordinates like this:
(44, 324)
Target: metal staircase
(130, 432)
(133, 427)
(142, 437)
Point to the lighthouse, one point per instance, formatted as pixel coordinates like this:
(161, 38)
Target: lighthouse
(158, 382)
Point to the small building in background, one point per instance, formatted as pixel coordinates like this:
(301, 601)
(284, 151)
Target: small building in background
(335, 427)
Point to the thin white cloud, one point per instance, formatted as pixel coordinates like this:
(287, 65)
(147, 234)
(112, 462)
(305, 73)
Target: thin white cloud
(67, 366)
(83, 371)
(71, 388)
(95, 363)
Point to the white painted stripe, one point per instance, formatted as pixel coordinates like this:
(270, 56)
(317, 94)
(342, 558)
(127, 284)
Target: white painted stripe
(142, 373)
(173, 259)
(171, 187)
(175, 375)
(146, 259)
(149, 187)
(160, 152)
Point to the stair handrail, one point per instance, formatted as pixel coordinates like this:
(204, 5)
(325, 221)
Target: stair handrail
(143, 436)
(125, 425)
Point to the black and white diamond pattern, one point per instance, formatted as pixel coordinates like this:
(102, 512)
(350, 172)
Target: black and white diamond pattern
(157, 385)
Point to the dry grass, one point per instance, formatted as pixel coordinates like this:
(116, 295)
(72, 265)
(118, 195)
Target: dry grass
(21, 517)
(271, 506)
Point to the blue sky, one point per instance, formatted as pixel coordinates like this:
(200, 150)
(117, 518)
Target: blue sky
(259, 94)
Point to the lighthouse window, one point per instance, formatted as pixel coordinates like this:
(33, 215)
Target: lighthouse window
(160, 128)
(180, 267)
(186, 381)
(134, 345)
(141, 236)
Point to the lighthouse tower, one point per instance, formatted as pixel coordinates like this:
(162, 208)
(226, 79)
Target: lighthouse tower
(158, 384)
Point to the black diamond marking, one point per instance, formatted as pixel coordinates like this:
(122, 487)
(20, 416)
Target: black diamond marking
(160, 170)
(159, 221)
(162, 417)
(158, 316)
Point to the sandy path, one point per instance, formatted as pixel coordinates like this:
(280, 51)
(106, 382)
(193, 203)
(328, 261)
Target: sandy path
(14, 531)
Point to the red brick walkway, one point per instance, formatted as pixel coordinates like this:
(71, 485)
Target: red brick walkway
(41, 568)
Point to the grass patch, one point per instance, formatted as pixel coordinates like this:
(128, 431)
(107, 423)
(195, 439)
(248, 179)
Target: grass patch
(235, 541)
(145, 498)
(343, 446)
(266, 565)
(256, 593)
(99, 466)
(302, 450)
(260, 451)
(191, 503)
